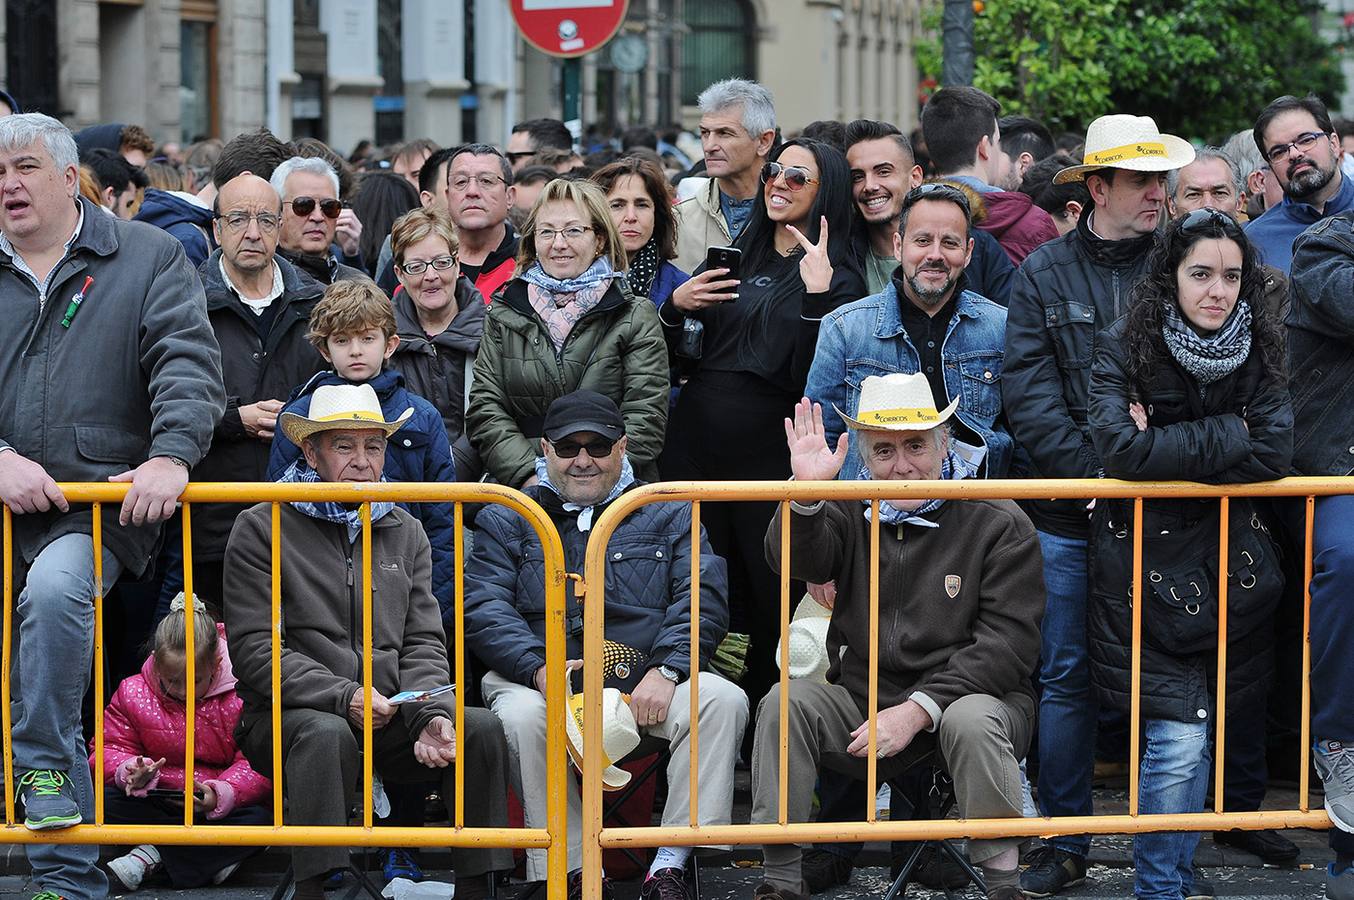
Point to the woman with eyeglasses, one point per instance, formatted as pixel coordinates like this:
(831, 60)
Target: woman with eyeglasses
(759, 333)
(439, 316)
(1188, 386)
(566, 321)
(641, 208)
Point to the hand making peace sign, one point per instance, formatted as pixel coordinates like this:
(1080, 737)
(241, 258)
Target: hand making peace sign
(814, 267)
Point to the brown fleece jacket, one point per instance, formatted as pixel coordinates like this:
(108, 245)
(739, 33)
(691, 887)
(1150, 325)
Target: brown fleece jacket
(959, 605)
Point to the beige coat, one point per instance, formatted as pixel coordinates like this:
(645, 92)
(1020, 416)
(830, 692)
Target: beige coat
(700, 225)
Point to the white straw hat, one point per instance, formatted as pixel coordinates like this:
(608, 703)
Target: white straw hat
(808, 641)
(620, 735)
(341, 406)
(1128, 142)
(897, 402)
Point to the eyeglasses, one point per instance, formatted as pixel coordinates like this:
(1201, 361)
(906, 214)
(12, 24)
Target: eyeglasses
(515, 155)
(571, 234)
(937, 191)
(239, 221)
(419, 266)
(1303, 143)
(598, 448)
(1206, 218)
(486, 182)
(796, 177)
(304, 206)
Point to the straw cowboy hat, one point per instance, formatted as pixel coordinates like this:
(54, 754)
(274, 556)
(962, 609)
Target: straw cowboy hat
(620, 735)
(1128, 142)
(808, 641)
(897, 402)
(341, 406)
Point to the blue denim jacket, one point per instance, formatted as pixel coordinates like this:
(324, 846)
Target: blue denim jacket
(867, 337)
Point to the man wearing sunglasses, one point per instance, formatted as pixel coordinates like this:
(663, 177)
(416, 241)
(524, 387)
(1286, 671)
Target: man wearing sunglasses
(314, 220)
(1295, 135)
(583, 468)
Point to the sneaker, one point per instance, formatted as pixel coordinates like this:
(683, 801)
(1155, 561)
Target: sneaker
(1267, 844)
(1339, 885)
(48, 799)
(1200, 890)
(400, 863)
(768, 891)
(665, 884)
(1051, 870)
(822, 870)
(48, 895)
(133, 868)
(1336, 768)
(576, 886)
(1007, 892)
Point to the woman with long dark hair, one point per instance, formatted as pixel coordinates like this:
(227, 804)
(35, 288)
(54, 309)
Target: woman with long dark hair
(1188, 386)
(382, 197)
(641, 208)
(756, 346)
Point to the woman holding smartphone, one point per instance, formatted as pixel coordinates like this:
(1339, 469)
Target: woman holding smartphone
(760, 326)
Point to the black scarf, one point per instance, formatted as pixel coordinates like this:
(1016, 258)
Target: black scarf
(321, 268)
(1114, 254)
(644, 268)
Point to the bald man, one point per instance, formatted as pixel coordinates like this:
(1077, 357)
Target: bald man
(259, 306)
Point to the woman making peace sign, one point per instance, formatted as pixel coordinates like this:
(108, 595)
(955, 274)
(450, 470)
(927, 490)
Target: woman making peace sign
(758, 344)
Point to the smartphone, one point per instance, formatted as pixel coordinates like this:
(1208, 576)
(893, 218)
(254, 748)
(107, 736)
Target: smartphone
(730, 258)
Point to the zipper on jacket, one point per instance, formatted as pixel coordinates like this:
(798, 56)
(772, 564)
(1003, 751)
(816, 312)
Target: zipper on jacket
(352, 605)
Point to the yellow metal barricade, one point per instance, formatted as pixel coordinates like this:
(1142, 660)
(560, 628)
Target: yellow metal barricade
(552, 837)
(596, 837)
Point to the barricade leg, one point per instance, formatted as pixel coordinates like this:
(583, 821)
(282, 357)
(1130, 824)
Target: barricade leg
(1174, 780)
(53, 660)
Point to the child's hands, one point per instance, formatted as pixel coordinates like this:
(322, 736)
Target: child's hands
(204, 797)
(140, 773)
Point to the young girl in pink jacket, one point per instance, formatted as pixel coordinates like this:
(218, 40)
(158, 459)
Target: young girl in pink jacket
(144, 739)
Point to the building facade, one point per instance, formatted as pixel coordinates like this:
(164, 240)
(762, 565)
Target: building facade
(450, 70)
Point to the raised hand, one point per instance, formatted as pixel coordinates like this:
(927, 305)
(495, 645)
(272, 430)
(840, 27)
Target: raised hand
(810, 457)
(814, 268)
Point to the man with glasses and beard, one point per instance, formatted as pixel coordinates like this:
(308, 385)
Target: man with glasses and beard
(1296, 137)
(313, 219)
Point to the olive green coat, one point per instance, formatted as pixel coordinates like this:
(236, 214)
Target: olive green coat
(616, 349)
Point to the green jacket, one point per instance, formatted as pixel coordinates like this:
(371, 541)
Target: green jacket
(616, 349)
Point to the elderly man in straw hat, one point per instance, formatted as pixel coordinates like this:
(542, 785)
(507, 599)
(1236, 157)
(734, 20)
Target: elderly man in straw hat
(323, 570)
(1064, 294)
(960, 597)
(582, 469)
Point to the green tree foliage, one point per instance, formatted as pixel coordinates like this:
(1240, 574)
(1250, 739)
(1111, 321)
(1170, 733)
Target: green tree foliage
(1201, 68)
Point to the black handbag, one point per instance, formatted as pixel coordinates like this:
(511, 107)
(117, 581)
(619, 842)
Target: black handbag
(1180, 571)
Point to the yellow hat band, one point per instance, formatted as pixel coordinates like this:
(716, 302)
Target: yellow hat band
(1126, 152)
(576, 711)
(351, 416)
(898, 416)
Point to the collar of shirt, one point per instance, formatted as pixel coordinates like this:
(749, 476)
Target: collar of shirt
(43, 283)
(255, 306)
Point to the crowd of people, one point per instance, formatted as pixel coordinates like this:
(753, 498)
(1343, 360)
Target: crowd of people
(976, 300)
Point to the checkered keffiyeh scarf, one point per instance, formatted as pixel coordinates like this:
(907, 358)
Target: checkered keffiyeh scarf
(329, 511)
(1211, 358)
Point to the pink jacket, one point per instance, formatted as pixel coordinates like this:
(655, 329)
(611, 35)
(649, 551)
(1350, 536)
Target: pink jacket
(142, 721)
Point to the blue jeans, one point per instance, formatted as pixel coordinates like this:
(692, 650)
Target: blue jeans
(1332, 619)
(1067, 709)
(53, 660)
(1173, 779)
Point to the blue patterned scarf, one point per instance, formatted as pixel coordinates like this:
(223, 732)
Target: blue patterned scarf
(585, 512)
(330, 511)
(952, 467)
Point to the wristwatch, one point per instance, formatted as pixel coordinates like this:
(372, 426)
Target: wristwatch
(670, 674)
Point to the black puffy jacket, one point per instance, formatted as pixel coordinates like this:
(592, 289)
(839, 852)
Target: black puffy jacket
(1239, 429)
(1065, 293)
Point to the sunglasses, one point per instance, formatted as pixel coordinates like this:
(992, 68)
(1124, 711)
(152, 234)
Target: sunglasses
(796, 177)
(936, 191)
(304, 206)
(1207, 218)
(598, 448)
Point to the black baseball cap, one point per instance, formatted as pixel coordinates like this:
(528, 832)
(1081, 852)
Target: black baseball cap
(583, 411)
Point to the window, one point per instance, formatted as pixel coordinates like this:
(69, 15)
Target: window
(718, 46)
(197, 85)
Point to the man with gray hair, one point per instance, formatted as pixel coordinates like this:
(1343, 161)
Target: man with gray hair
(1213, 179)
(737, 130)
(313, 218)
(108, 372)
(1262, 188)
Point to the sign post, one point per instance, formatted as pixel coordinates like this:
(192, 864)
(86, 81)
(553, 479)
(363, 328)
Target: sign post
(568, 29)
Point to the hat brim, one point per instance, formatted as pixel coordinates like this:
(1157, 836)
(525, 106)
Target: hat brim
(610, 432)
(1179, 153)
(613, 777)
(902, 424)
(297, 427)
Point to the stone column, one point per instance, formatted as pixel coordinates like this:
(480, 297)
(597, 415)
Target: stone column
(241, 55)
(434, 70)
(353, 72)
(282, 74)
(139, 66)
(78, 52)
(495, 70)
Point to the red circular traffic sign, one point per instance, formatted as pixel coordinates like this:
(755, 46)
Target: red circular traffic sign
(568, 27)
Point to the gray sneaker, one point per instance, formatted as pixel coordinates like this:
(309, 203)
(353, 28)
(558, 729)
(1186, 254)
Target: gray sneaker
(1339, 885)
(1335, 765)
(49, 800)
